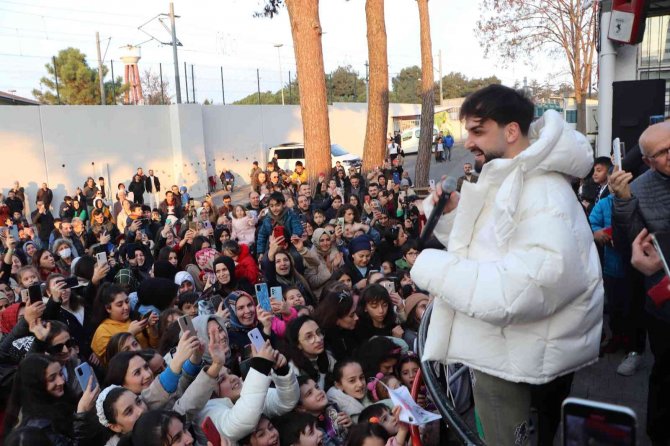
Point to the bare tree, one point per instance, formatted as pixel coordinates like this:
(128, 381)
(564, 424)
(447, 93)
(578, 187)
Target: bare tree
(522, 28)
(155, 91)
(427, 98)
(378, 94)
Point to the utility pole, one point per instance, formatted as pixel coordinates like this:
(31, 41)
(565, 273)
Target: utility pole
(174, 54)
(223, 90)
(290, 92)
(193, 83)
(111, 64)
(186, 80)
(281, 77)
(56, 76)
(439, 57)
(258, 80)
(367, 81)
(102, 82)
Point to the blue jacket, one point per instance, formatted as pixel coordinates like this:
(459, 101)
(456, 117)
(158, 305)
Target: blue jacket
(600, 218)
(292, 226)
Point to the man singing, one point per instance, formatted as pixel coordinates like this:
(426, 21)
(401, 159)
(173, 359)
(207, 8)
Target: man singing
(519, 293)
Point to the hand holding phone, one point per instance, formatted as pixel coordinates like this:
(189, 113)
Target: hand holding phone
(211, 432)
(256, 339)
(185, 324)
(84, 372)
(588, 422)
(262, 296)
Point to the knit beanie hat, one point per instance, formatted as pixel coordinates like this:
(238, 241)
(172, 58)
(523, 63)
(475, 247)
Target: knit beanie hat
(360, 243)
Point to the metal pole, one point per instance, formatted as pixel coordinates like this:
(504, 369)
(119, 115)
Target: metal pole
(192, 83)
(439, 55)
(174, 54)
(223, 91)
(111, 62)
(56, 75)
(100, 79)
(290, 98)
(281, 80)
(160, 73)
(258, 80)
(186, 82)
(367, 81)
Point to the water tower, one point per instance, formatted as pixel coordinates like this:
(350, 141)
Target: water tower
(130, 56)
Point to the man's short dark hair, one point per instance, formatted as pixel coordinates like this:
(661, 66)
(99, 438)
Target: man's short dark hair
(298, 163)
(373, 185)
(101, 178)
(278, 197)
(226, 197)
(409, 245)
(292, 425)
(603, 161)
(501, 105)
(146, 208)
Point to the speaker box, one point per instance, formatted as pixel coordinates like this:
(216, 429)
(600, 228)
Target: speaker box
(634, 102)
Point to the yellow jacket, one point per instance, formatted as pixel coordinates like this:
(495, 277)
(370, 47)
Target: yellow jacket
(110, 327)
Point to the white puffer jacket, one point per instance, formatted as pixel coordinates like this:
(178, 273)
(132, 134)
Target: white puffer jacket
(237, 420)
(519, 292)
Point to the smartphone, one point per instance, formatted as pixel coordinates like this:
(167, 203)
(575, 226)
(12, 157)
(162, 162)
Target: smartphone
(14, 232)
(185, 323)
(340, 221)
(396, 178)
(278, 231)
(431, 184)
(262, 296)
(276, 293)
(192, 225)
(147, 315)
(207, 225)
(83, 372)
(24, 295)
(616, 151)
(101, 258)
(590, 422)
(256, 339)
(390, 286)
(35, 293)
(211, 432)
(661, 241)
(71, 282)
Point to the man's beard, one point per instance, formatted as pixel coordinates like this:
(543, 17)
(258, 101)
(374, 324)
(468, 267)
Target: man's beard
(487, 158)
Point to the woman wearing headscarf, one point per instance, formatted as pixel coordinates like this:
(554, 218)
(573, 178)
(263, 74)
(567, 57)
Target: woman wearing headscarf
(321, 261)
(244, 317)
(203, 267)
(279, 270)
(226, 282)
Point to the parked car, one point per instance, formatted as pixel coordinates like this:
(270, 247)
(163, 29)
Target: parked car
(410, 139)
(289, 153)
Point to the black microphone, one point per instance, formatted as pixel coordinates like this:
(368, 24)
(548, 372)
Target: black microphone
(448, 186)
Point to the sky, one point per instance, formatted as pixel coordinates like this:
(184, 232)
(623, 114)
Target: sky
(224, 35)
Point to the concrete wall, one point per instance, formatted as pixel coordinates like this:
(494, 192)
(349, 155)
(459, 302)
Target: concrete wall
(183, 144)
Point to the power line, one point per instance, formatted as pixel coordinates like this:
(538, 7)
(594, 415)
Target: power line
(32, 5)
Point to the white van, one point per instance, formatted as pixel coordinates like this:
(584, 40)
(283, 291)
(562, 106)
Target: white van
(289, 153)
(410, 139)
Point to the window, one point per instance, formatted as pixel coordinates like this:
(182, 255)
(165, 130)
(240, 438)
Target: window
(406, 136)
(417, 133)
(299, 153)
(571, 116)
(284, 154)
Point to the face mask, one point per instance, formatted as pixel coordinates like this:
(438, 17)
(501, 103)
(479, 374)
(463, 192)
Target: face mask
(65, 253)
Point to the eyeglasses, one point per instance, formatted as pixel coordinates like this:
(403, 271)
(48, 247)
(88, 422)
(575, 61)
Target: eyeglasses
(311, 338)
(659, 154)
(58, 348)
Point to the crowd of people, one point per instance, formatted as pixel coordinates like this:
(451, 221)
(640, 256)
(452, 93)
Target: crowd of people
(104, 277)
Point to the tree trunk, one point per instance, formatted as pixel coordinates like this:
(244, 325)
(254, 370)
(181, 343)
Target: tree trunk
(378, 97)
(306, 31)
(581, 112)
(427, 98)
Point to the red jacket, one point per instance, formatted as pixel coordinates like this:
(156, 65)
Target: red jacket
(246, 266)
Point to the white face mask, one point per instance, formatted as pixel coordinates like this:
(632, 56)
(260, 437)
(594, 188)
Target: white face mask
(65, 253)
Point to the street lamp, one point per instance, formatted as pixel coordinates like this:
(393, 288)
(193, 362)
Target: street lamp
(281, 77)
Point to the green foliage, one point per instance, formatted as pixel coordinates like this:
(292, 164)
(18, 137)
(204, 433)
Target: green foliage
(406, 86)
(77, 82)
(457, 85)
(344, 85)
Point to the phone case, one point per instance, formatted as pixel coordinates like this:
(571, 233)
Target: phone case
(35, 293)
(211, 432)
(256, 338)
(83, 373)
(185, 323)
(276, 293)
(262, 296)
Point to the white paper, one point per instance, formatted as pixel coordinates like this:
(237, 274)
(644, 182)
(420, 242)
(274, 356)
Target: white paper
(410, 412)
(616, 150)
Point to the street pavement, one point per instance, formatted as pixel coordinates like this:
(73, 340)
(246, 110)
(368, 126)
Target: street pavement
(598, 382)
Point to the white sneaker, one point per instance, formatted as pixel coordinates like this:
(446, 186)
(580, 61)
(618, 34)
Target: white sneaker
(629, 364)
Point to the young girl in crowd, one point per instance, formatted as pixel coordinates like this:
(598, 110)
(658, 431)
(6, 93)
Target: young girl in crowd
(313, 400)
(111, 314)
(336, 315)
(350, 389)
(376, 315)
(306, 351)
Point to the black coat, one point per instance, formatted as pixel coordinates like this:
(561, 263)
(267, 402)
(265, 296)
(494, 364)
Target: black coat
(137, 188)
(149, 186)
(44, 223)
